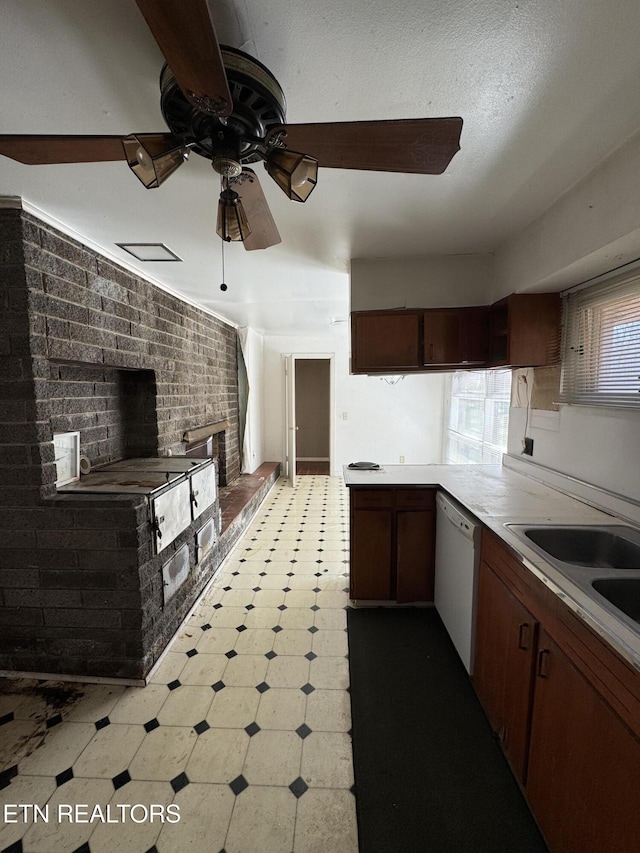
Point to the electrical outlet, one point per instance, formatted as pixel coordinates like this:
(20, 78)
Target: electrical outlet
(527, 446)
(402, 460)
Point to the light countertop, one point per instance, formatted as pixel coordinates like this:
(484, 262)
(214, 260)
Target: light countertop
(497, 496)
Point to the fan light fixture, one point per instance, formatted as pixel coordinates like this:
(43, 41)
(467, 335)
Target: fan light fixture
(232, 220)
(151, 159)
(296, 174)
(222, 104)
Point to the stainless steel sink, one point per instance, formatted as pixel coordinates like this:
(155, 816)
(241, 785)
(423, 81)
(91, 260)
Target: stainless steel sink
(602, 560)
(623, 593)
(599, 547)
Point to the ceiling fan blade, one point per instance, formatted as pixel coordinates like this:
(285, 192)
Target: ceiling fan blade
(263, 228)
(421, 146)
(186, 36)
(38, 150)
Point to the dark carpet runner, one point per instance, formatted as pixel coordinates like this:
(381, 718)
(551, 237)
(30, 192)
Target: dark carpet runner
(430, 777)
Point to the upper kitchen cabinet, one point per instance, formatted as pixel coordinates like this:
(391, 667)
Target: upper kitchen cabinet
(456, 337)
(385, 340)
(522, 330)
(525, 330)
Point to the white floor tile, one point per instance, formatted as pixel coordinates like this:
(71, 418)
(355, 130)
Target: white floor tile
(328, 711)
(273, 758)
(263, 820)
(110, 751)
(205, 811)
(281, 708)
(218, 756)
(326, 822)
(327, 761)
(163, 754)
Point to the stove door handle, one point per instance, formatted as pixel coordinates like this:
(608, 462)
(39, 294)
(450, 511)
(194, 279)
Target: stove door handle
(156, 526)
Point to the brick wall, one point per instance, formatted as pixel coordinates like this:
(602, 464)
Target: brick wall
(86, 345)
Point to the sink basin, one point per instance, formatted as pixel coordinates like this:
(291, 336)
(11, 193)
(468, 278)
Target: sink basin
(601, 560)
(615, 547)
(623, 593)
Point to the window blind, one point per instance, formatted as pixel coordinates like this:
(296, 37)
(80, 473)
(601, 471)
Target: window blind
(601, 343)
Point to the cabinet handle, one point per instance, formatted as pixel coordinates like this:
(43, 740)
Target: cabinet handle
(523, 636)
(430, 352)
(543, 663)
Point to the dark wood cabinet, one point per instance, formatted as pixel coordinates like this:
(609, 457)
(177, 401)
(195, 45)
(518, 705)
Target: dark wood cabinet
(456, 337)
(371, 543)
(566, 709)
(474, 336)
(385, 340)
(583, 781)
(392, 544)
(525, 330)
(504, 663)
(522, 330)
(441, 337)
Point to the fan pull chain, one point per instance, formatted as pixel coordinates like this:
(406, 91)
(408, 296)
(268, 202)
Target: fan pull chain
(224, 184)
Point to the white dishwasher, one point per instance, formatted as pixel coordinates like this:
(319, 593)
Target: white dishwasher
(457, 559)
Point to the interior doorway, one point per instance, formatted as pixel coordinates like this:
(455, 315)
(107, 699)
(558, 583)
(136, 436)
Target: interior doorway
(312, 378)
(308, 440)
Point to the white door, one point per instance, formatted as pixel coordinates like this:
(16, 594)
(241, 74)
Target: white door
(290, 419)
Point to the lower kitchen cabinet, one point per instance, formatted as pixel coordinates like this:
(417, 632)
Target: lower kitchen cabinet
(371, 544)
(504, 663)
(565, 707)
(583, 782)
(392, 544)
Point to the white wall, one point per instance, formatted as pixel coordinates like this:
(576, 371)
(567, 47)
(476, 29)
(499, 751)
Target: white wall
(434, 281)
(593, 228)
(383, 421)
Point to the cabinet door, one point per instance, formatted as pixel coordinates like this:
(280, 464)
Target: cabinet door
(442, 337)
(534, 329)
(584, 764)
(385, 341)
(415, 549)
(371, 543)
(525, 330)
(504, 662)
(474, 335)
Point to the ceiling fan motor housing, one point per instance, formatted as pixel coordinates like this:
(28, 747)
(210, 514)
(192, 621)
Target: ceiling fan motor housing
(258, 106)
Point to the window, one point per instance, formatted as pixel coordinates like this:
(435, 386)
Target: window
(601, 343)
(478, 418)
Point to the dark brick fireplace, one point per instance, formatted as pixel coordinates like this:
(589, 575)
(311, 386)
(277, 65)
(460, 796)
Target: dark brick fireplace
(86, 345)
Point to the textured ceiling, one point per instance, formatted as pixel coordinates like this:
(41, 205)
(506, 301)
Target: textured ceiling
(546, 90)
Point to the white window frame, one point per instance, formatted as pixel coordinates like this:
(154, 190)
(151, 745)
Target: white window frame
(484, 449)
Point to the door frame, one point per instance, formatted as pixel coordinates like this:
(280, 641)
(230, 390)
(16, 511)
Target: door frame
(289, 378)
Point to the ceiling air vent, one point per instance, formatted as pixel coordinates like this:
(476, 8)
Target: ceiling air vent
(149, 251)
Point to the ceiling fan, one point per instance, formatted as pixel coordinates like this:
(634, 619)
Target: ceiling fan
(223, 104)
